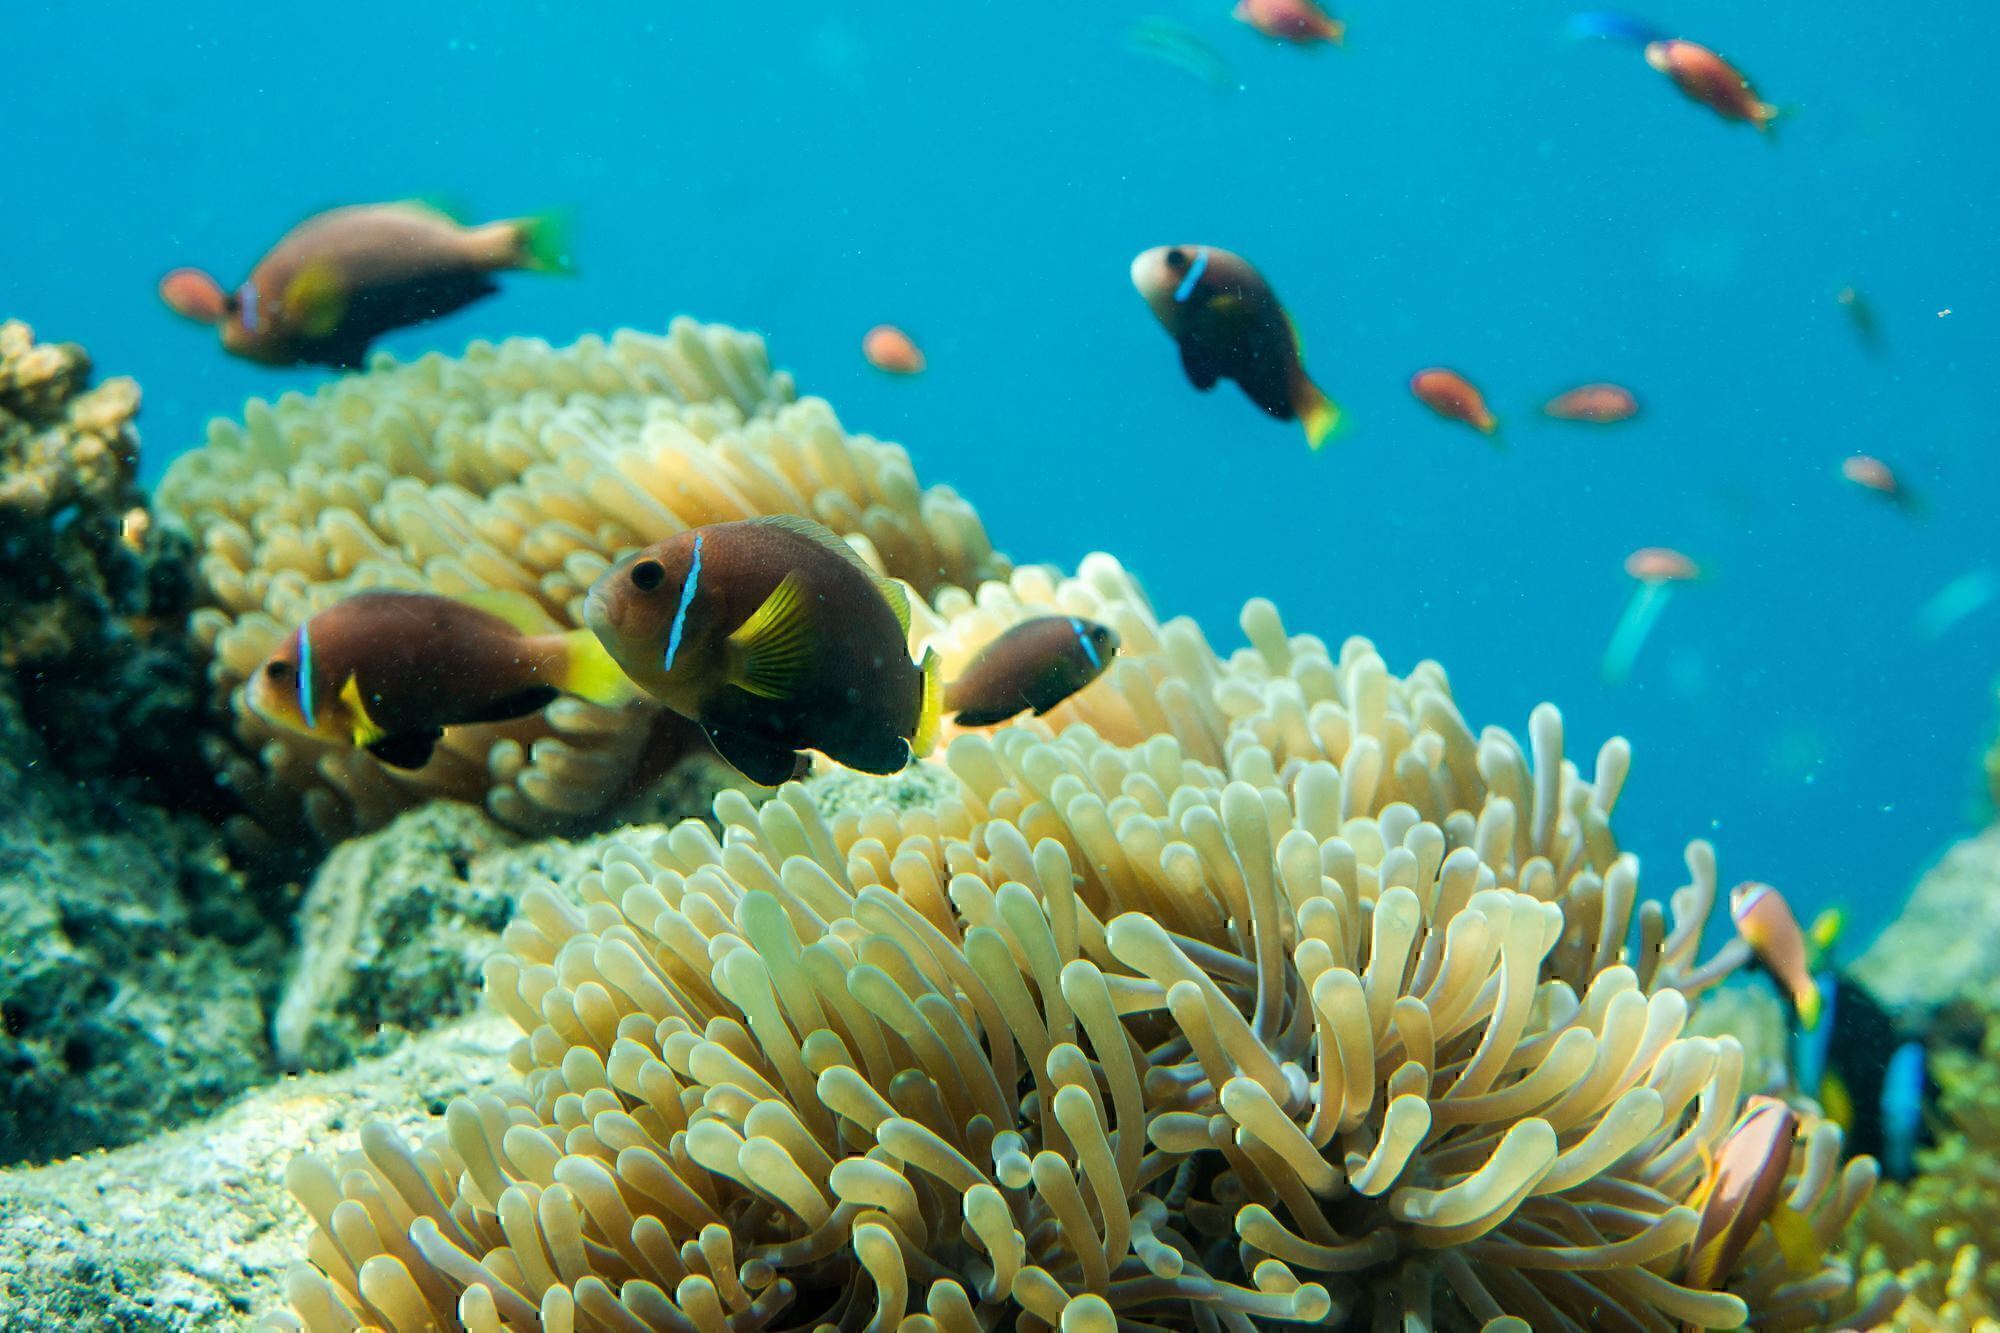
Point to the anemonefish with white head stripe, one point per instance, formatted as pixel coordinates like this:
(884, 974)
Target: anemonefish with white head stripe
(1229, 325)
(387, 672)
(1765, 921)
(774, 637)
(1036, 664)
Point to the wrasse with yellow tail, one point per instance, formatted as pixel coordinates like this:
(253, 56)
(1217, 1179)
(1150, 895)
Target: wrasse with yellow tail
(387, 672)
(338, 281)
(773, 636)
(1229, 326)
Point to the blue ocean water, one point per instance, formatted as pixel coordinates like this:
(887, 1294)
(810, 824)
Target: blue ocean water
(1457, 186)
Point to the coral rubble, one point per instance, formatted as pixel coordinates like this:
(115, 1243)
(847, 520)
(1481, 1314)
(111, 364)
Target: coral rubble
(1943, 947)
(93, 595)
(1273, 993)
(526, 468)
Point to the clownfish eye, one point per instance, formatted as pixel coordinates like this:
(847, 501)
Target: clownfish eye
(279, 671)
(1177, 260)
(648, 575)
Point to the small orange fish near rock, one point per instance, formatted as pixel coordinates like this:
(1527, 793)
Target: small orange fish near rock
(1599, 404)
(1710, 80)
(892, 351)
(1453, 397)
(1744, 1190)
(1765, 921)
(1300, 22)
(1873, 474)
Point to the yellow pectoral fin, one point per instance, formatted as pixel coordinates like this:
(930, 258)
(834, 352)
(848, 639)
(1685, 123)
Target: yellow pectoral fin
(589, 672)
(315, 300)
(1825, 931)
(772, 652)
(1796, 1241)
(930, 714)
(366, 729)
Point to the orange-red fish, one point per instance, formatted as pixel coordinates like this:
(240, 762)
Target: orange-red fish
(340, 280)
(1875, 475)
(1710, 80)
(1743, 1192)
(1765, 921)
(774, 637)
(1453, 397)
(1229, 325)
(1601, 404)
(1036, 664)
(1661, 564)
(387, 672)
(891, 350)
(1300, 22)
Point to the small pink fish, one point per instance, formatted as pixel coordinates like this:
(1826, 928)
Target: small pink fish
(1661, 564)
(1453, 397)
(1600, 404)
(1710, 80)
(892, 351)
(1765, 921)
(1300, 22)
(1742, 1193)
(1873, 474)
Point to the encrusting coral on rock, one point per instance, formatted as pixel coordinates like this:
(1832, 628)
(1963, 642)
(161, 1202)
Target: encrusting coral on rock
(1232, 992)
(93, 595)
(1937, 1236)
(525, 468)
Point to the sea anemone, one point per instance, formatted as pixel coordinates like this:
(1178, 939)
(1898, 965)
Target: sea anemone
(519, 467)
(1291, 1000)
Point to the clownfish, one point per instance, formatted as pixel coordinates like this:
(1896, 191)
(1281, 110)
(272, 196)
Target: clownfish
(387, 672)
(1742, 1193)
(1036, 664)
(1229, 325)
(1765, 921)
(341, 279)
(774, 637)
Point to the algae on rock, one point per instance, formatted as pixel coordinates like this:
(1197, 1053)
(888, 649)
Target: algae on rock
(132, 963)
(192, 1230)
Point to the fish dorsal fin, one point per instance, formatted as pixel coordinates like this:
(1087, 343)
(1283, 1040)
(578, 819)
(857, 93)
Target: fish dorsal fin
(771, 652)
(444, 206)
(892, 590)
(366, 729)
(898, 598)
(518, 609)
(316, 299)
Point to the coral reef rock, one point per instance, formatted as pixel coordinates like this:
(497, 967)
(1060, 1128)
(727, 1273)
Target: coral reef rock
(1938, 1236)
(1281, 995)
(191, 1231)
(395, 926)
(93, 595)
(1944, 945)
(130, 957)
(525, 468)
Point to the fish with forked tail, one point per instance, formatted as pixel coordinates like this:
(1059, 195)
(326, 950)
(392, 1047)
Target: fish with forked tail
(341, 279)
(774, 637)
(387, 672)
(1229, 325)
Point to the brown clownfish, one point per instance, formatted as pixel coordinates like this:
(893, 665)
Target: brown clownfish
(341, 279)
(387, 672)
(773, 636)
(1229, 325)
(1036, 664)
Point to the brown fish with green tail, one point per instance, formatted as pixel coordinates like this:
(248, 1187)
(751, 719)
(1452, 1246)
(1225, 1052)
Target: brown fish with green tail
(1229, 326)
(1036, 664)
(387, 672)
(341, 279)
(774, 637)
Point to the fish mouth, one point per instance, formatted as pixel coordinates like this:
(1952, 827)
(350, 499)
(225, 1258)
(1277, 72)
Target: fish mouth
(597, 615)
(1145, 270)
